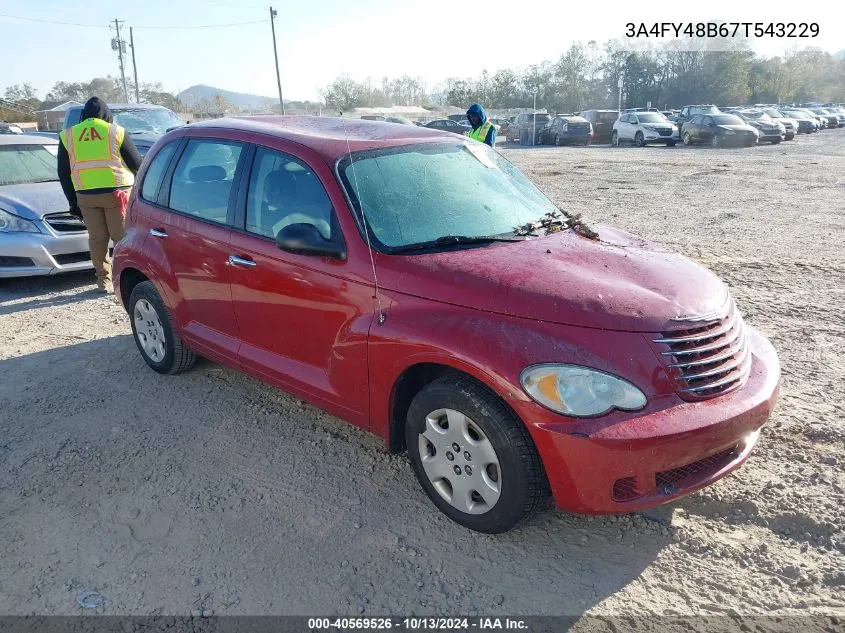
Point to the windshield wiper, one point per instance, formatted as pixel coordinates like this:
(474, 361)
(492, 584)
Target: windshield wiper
(456, 240)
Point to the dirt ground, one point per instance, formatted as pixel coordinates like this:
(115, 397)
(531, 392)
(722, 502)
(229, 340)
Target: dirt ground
(210, 492)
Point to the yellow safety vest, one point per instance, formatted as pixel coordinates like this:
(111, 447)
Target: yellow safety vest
(480, 133)
(93, 147)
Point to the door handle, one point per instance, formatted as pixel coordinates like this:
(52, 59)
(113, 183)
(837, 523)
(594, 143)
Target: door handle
(158, 233)
(234, 260)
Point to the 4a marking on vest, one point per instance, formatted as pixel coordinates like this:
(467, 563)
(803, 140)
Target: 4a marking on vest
(90, 134)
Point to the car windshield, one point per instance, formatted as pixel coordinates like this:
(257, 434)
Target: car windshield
(20, 164)
(705, 110)
(727, 119)
(541, 118)
(419, 193)
(775, 114)
(797, 114)
(146, 121)
(651, 117)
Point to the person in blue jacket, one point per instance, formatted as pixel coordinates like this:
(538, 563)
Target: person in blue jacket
(482, 129)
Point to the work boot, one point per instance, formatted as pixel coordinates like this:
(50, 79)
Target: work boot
(105, 286)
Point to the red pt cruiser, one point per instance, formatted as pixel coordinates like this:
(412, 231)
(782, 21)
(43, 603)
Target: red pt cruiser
(376, 271)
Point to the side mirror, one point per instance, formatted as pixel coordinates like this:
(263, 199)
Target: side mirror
(305, 239)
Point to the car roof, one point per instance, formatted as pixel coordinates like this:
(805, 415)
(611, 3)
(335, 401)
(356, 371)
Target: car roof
(330, 136)
(26, 139)
(126, 106)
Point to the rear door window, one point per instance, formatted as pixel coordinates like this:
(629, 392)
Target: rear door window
(203, 179)
(285, 191)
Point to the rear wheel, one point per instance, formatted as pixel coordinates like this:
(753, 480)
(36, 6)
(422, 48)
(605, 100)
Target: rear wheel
(716, 141)
(639, 139)
(154, 332)
(473, 458)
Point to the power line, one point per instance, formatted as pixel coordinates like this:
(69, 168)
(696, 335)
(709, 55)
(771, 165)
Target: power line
(162, 26)
(17, 17)
(202, 26)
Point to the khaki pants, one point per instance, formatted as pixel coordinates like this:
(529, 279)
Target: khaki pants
(104, 220)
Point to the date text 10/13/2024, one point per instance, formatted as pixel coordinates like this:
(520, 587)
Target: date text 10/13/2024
(722, 29)
(417, 624)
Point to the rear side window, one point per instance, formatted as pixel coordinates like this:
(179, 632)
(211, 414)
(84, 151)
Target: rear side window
(155, 172)
(284, 191)
(203, 178)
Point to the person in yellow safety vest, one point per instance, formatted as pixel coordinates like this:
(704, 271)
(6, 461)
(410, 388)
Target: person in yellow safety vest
(97, 162)
(482, 129)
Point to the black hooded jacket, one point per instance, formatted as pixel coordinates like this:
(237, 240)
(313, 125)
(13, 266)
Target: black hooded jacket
(95, 108)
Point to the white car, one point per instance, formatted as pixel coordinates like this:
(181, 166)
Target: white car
(643, 128)
(790, 125)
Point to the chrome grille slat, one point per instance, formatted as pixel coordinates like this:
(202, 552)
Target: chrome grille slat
(708, 334)
(708, 358)
(721, 369)
(708, 348)
(743, 374)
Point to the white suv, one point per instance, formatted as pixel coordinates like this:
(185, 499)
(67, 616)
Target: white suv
(642, 128)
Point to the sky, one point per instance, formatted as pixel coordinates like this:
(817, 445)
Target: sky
(321, 39)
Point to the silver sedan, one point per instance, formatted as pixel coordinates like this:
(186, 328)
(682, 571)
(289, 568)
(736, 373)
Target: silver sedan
(37, 234)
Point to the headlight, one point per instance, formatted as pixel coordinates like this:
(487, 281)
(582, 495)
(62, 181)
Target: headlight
(10, 223)
(580, 391)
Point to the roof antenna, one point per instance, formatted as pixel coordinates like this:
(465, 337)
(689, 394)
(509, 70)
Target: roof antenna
(377, 295)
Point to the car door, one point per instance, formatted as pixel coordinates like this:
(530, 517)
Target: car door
(707, 128)
(189, 230)
(303, 319)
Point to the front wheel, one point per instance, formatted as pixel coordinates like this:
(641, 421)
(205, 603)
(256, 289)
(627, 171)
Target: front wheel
(639, 139)
(614, 139)
(716, 141)
(474, 459)
(154, 333)
(687, 138)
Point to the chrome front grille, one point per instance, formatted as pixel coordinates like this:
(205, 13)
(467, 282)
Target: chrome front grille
(64, 223)
(708, 360)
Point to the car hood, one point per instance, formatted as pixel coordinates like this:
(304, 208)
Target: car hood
(143, 142)
(33, 201)
(619, 283)
(738, 128)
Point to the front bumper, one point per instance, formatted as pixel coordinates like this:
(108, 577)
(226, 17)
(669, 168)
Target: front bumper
(652, 459)
(654, 137)
(766, 137)
(33, 254)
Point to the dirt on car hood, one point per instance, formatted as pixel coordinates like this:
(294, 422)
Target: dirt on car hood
(620, 282)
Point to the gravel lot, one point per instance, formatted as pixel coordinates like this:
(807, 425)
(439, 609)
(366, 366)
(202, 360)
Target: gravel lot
(210, 492)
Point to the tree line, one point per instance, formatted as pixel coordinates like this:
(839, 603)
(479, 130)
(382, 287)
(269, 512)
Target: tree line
(587, 76)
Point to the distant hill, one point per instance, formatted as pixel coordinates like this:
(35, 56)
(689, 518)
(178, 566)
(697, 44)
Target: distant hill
(244, 101)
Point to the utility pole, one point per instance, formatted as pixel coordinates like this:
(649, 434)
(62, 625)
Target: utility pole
(621, 83)
(119, 45)
(273, 14)
(134, 66)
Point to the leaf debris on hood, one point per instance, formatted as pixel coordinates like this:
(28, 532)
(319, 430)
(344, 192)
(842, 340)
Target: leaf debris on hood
(556, 221)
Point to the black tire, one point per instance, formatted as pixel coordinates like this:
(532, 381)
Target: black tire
(557, 140)
(523, 487)
(177, 357)
(614, 139)
(716, 141)
(776, 141)
(687, 138)
(639, 139)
